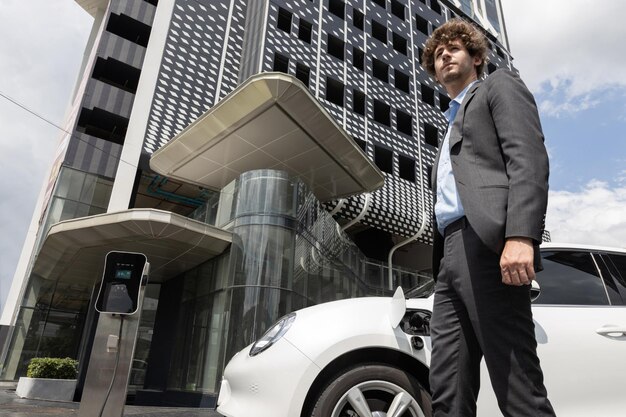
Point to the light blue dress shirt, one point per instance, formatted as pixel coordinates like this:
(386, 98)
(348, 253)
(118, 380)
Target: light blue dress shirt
(448, 207)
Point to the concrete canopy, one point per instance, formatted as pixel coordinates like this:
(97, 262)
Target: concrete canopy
(270, 121)
(74, 250)
(92, 6)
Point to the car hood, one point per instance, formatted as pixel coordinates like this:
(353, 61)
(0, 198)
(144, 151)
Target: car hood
(325, 331)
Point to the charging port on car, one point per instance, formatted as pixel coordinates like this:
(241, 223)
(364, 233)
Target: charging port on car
(416, 322)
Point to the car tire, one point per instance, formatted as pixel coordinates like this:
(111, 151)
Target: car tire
(373, 388)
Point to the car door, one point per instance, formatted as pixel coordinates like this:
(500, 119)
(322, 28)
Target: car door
(584, 366)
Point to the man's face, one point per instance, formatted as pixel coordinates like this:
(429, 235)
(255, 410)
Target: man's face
(454, 64)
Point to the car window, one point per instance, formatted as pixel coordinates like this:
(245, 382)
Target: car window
(570, 278)
(610, 276)
(616, 265)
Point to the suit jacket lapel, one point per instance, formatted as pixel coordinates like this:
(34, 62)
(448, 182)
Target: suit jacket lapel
(456, 129)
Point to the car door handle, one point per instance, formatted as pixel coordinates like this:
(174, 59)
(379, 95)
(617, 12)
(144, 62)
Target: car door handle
(612, 331)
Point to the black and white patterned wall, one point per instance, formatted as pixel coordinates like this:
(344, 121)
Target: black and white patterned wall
(200, 64)
(372, 49)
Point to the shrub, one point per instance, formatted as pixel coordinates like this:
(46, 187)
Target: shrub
(53, 368)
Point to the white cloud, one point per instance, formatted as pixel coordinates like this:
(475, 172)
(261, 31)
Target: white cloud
(556, 108)
(595, 215)
(572, 46)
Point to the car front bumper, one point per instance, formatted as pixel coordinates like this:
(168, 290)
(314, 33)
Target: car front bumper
(273, 383)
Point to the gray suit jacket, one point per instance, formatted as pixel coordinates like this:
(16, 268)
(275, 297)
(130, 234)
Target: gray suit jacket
(500, 163)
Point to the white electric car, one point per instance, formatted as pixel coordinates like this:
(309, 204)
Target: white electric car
(369, 357)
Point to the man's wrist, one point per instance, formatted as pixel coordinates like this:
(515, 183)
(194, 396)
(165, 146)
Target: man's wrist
(520, 239)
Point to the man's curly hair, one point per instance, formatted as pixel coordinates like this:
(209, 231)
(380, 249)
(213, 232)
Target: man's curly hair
(454, 29)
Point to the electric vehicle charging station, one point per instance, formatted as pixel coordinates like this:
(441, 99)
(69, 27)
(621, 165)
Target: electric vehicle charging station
(119, 303)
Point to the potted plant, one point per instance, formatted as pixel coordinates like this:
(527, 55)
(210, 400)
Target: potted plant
(49, 379)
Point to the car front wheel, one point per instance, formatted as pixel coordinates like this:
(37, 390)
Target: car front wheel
(373, 391)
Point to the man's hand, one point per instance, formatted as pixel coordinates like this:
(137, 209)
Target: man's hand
(516, 262)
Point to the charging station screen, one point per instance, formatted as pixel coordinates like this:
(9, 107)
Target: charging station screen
(121, 281)
(123, 273)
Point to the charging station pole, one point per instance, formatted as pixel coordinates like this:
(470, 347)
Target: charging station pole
(119, 302)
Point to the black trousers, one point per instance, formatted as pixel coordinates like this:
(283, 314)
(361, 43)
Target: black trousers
(476, 315)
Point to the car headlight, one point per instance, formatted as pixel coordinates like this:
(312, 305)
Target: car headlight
(273, 334)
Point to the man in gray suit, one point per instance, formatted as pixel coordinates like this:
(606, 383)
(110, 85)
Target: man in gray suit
(490, 182)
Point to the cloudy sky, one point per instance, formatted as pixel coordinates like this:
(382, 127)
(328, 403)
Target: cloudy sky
(569, 52)
(41, 47)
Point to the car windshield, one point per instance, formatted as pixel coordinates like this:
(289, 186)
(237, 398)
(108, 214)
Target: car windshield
(423, 290)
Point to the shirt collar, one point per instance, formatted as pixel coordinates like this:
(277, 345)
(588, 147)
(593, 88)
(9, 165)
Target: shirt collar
(459, 99)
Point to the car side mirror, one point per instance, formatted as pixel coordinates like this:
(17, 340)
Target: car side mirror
(535, 290)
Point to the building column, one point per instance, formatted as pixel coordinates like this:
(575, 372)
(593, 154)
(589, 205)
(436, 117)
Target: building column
(262, 254)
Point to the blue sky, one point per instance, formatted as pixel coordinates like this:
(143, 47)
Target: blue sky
(585, 143)
(569, 52)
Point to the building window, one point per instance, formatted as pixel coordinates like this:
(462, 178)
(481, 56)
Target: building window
(421, 24)
(128, 28)
(444, 102)
(381, 3)
(491, 68)
(436, 7)
(362, 144)
(357, 19)
(428, 95)
(335, 47)
(406, 167)
(379, 31)
(401, 80)
(337, 7)
(382, 112)
(116, 73)
(303, 73)
(404, 122)
(420, 52)
(281, 63)
(399, 43)
(284, 20)
(397, 9)
(334, 91)
(431, 135)
(499, 52)
(102, 124)
(304, 31)
(383, 158)
(466, 6)
(358, 58)
(358, 102)
(380, 70)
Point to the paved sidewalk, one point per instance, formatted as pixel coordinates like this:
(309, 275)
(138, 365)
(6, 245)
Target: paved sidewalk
(13, 406)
